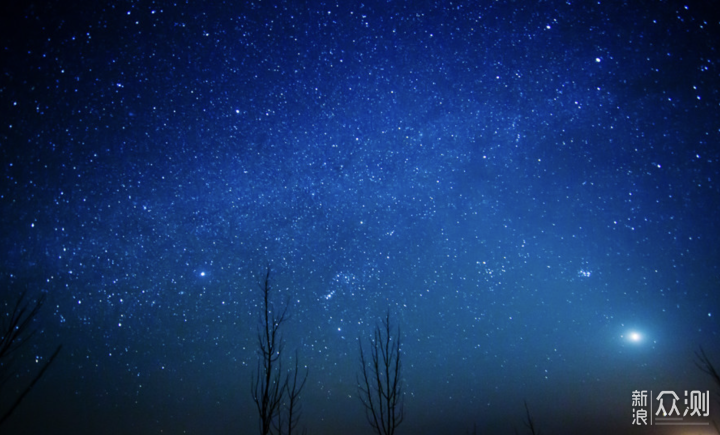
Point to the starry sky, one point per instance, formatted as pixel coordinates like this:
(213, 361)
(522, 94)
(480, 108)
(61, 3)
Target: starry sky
(530, 188)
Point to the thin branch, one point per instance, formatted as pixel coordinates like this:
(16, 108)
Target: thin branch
(30, 387)
(18, 323)
(528, 419)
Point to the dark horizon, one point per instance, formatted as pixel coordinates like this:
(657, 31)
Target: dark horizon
(530, 189)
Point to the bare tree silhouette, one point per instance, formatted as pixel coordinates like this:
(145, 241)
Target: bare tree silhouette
(269, 387)
(380, 387)
(16, 332)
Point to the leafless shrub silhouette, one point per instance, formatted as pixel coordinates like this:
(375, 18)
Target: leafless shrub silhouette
(702, 361)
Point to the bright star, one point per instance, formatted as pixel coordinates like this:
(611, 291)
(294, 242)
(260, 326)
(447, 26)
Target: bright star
(633, 337)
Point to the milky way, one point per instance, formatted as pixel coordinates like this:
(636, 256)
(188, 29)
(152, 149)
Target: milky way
(529, 189)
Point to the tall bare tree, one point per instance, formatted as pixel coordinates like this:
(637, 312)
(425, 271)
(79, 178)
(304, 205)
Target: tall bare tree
(16, 330)
(269, 387)
(380, 383)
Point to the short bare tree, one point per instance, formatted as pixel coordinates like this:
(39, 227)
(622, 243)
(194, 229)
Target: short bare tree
(16, 330)
(380, 383)
(703, 362)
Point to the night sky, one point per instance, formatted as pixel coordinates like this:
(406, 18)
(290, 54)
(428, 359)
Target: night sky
(523, 185)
